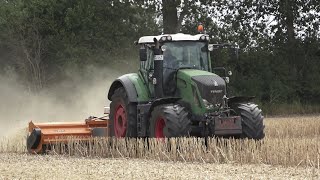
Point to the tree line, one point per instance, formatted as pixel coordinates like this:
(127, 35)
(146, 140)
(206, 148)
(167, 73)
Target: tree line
(279, 60)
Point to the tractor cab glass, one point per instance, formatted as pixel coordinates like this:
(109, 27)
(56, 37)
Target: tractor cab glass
(182, 55)
(185, 55)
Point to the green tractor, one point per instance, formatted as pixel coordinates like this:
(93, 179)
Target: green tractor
(176, 93)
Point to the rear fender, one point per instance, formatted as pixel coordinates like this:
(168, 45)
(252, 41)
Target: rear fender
(135, 88)
(125, 82)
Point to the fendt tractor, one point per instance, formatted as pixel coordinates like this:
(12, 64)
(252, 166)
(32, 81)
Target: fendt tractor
(175, 93)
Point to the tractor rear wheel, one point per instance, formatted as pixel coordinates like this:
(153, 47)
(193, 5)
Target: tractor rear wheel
(169, 121)
(123, 115)
(252, 121)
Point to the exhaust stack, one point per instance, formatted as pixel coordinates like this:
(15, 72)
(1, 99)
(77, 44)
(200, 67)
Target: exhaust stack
(158, 70)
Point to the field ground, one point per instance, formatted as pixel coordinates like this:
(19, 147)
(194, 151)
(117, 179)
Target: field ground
(21, 166)
(290, 150)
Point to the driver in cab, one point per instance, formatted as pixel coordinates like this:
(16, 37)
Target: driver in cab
(170, 61)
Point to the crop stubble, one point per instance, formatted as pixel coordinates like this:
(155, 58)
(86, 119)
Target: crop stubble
(290, 141)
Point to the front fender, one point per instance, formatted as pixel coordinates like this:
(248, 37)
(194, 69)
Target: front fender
(160, 101)
(240, 99)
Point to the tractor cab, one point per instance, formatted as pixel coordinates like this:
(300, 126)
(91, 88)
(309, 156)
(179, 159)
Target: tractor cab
(180, 51)
(176, 52)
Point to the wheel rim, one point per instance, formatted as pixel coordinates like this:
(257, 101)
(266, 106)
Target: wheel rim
(160, 124)
(120, 122)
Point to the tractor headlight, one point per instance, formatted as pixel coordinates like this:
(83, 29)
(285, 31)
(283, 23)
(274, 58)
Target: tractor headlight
(163, 48)
(210, 47)
(207, 104)
(166, 38)
(203, 38)
(227, 79)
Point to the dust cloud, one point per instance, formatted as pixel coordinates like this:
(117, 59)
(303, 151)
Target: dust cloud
(74, 99)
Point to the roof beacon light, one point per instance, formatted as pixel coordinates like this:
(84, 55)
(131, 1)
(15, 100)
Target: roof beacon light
(200, 28)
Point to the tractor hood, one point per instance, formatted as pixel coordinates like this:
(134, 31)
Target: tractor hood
(209, 86)
(194, 72)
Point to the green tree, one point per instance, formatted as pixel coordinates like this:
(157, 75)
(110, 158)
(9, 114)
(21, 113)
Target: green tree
(47, 35)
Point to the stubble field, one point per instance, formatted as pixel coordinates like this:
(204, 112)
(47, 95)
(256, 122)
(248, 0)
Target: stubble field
(290, 150)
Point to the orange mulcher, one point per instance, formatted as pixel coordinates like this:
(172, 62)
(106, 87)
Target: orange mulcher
(43, 135)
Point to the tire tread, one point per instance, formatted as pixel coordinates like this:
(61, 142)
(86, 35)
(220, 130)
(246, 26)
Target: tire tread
(120, 94)
(176, 118)
(252, 121)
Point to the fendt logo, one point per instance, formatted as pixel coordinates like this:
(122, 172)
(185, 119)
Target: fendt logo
(216, 91)
(215, 83)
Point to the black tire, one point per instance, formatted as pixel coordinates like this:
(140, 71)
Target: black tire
(252, 121)
(177, 123)
(130, 110)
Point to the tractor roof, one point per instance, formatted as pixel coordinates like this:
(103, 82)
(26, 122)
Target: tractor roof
(175, 37)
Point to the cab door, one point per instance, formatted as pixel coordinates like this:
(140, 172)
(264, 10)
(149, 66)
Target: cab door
(147, 70)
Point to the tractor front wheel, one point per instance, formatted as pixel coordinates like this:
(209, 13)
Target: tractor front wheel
(169, 121)
(252, 121)
(122, 115)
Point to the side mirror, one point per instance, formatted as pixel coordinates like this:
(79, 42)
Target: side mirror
(143, 54)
